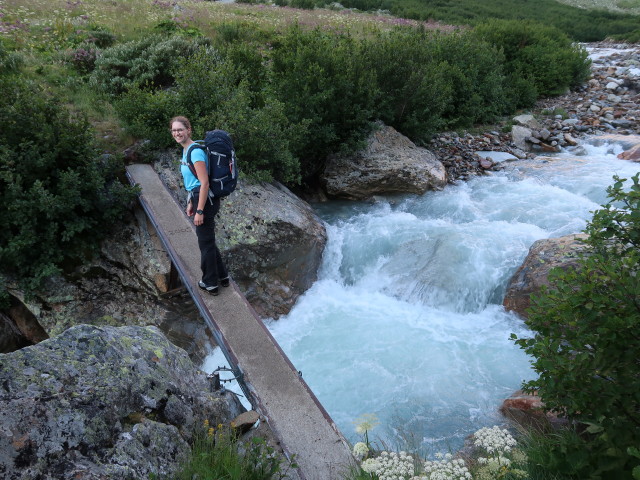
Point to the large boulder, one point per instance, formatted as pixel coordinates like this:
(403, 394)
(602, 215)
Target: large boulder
(390, 163)
(543, 256)
(271, 240)
(102, 402)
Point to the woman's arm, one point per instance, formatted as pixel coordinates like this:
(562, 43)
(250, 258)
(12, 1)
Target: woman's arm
(203, 178)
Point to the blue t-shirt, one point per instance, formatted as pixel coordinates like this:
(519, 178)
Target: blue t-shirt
(197, 155)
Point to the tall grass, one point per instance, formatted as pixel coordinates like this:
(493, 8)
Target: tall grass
(580, 24)
(218, 454)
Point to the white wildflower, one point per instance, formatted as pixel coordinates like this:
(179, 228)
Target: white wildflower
(360, 450)
(494, 440)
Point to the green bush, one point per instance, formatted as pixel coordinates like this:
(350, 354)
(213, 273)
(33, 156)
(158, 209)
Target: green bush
(586, 344)
(430, 81)
(414, 88)
(95, 35)
(539, 54)
(324, 80)
(10, 62)
(150, 62)
(57, 199)
(214, 93)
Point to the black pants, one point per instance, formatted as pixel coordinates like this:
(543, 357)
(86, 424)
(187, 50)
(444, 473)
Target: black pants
(211, 263)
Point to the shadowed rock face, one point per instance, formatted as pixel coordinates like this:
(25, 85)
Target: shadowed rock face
(390, 163)
(102, 402)
(543, 256)
(19, 327)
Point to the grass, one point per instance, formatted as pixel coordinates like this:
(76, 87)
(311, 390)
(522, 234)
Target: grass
(40, 24)
(622, 6)
(217, 454)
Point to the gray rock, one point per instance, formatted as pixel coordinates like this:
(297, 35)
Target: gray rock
(519, 137)
(528, 121)
(621, 123)
(545, 134)
(272, 242)
(390, 163)
(497, 157)
(102, 402)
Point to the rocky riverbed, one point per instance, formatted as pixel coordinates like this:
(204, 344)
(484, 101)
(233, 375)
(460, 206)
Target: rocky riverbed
(608, 103)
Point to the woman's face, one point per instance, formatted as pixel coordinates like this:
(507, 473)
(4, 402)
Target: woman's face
(180, 132)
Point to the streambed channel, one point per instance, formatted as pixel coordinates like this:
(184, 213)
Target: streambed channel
(406, 320)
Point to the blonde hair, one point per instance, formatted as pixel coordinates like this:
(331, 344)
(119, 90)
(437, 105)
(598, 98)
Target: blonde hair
(183, 120)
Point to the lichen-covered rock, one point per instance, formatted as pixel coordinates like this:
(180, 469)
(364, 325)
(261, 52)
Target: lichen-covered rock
(102, 402)
(390, 163)
(272, 242)
(543, 256)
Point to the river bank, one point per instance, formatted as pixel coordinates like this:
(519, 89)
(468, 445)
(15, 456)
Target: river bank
(608, 103)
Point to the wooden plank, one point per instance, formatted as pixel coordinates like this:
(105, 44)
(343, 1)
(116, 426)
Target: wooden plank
(271, 382)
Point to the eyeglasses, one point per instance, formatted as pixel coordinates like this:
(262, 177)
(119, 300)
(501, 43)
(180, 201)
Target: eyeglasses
(177, 130)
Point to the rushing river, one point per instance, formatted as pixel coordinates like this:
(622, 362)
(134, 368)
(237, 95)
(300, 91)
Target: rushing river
(406, 319)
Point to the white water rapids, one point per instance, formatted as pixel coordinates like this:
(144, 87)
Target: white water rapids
(406, 319)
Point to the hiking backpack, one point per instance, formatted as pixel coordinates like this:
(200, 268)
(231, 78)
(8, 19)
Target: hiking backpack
(221, 162)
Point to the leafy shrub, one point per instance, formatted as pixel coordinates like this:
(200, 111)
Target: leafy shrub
(541, 55)
(10, 62)
(324, 80)
(430, 81)
(150, 62)
(586, 343)
(173, 27)
(83, 58)
(56, 199)
(93, 34)
(214, 93)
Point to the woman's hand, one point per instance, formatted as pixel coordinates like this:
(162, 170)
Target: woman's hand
(198, 219)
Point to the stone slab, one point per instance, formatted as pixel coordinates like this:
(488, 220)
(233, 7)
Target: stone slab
(497, 157)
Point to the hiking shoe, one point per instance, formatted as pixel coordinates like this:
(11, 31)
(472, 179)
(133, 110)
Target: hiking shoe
(224, 281)
(208, 288)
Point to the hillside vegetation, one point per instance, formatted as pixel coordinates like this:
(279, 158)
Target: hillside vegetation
(581, 24)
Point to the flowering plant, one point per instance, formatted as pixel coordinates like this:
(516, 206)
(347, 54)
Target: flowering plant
(499, 445)
(366, 422)
(445, 467)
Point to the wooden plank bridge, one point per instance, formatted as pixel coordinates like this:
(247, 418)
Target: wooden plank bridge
(269, 380)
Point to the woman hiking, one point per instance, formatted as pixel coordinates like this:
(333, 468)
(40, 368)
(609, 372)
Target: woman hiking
(201, 206)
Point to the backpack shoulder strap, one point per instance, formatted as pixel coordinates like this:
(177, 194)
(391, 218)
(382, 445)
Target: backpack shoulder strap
(189, 162)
